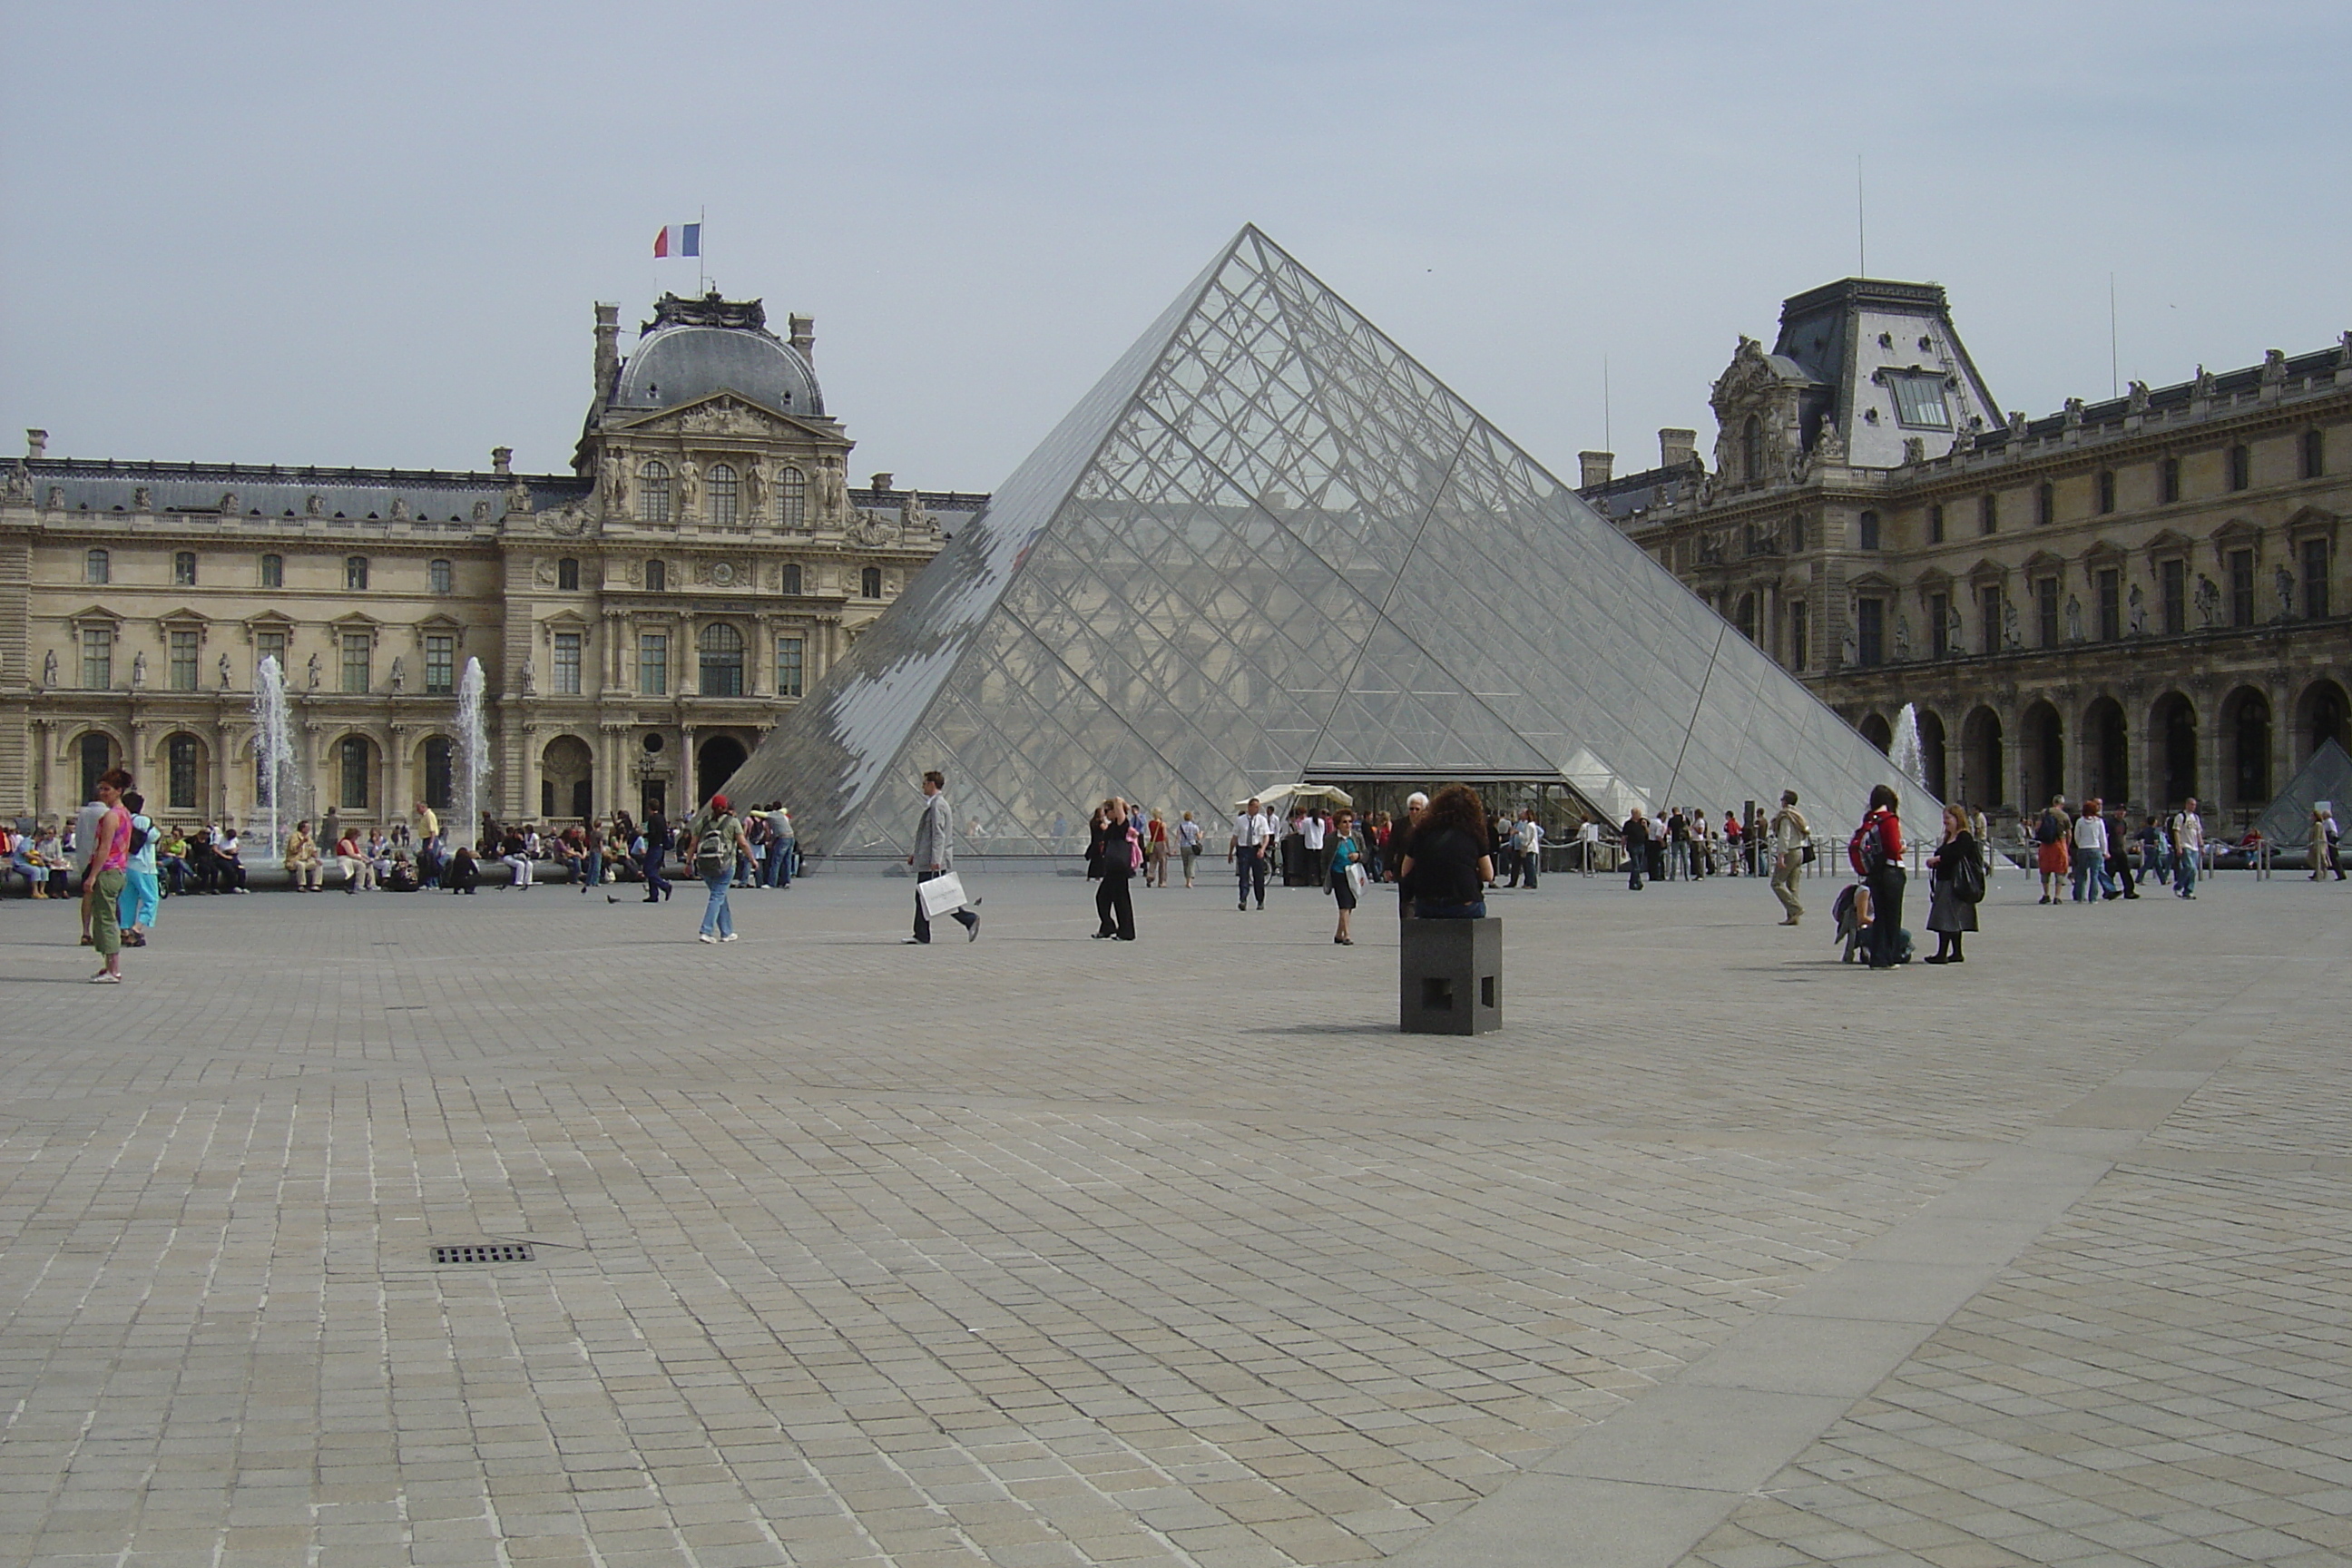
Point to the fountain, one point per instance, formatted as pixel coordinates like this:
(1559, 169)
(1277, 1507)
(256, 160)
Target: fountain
(1903, 751)
(473, 749)
(273, 753)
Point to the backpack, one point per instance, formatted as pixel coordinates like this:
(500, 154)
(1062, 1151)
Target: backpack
(139, 837)
(2047, 830)
(1867, 849)
(711, 850)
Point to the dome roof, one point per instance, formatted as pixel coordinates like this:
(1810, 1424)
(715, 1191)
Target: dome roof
(693, 348)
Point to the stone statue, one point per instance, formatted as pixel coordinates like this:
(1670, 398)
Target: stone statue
(2074, 618)
(19, 483)
(1902, 638)
(314, 506)
(2009, 638)
(832, 490)
(314, 672)
(2139, 397)
(523, 675)
(142, 498)
(2209, 602)
(1853, 647)
(1829, 445)
(690, 493)
(224, 673)
(1954, 633)
(616, 487)
(139, 670)
(755, 489)
(2285, 593)
(912, 518)
(2138, 621)
(49, 669)
(399, 674)
(400, 509)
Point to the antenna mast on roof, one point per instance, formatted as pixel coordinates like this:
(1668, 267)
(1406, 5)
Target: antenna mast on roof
(2114, 375)
(1608, 439)
(1861, 236)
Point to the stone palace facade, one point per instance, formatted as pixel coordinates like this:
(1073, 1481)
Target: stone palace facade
(640, 621)
(2140, 599)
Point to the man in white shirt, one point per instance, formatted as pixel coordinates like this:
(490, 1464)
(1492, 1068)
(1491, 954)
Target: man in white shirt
(1526, 837)
(1312, 836)
(2188, 849)
(1588, 840)
(1254, 835)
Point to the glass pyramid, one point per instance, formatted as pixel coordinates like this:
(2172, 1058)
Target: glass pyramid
(1268, 544)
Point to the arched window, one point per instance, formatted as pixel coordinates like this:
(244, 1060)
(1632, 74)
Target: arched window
(180, 773)
(440, 774)
(445, 577)
(652, 492)
(1751, 450)
(97, 567)
(567, 574)
(722, 496)
(273, 571)
(97, 756)
(793, 486)
(721, 652)
(869, 583)
(1866, 532)
(657, 577)
(792, 579)
(355, 574)
(356, 759)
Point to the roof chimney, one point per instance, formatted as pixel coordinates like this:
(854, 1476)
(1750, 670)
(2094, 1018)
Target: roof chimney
(805, 337)
(502, 460)
(882, 482)
(35, 443)
(1677, 448)
(608, 348)
(1596, 466)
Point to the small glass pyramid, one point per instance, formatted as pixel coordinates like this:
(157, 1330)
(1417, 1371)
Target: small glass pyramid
(1268, 544)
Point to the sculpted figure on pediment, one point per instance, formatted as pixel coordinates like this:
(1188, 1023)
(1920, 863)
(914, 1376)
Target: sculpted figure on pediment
(832, 490)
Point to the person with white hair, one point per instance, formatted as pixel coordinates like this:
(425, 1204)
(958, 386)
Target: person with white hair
(1401, 845)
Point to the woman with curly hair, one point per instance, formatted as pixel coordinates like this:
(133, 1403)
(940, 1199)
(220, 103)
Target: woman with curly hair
(1448, 865)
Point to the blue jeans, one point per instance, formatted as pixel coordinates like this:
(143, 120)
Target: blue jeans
(592, 867)
(655, 883)
(2184, 876)
(716, 917)
(1476, 912)
(1249, 864)
(773, 874)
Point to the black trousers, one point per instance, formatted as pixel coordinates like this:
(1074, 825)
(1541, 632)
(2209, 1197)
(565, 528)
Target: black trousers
(1115, 907)
(1885, 915)
(923, 921)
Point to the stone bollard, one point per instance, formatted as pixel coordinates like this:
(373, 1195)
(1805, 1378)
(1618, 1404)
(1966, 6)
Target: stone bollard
(1449, 976)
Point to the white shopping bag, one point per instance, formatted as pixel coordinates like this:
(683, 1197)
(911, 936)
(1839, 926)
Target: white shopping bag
(942, 894)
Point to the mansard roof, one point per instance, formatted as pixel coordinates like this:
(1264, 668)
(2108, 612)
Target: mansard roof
(2321, 366)
(272, 490)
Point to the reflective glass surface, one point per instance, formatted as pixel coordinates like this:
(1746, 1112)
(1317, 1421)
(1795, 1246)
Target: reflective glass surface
(1269, 543)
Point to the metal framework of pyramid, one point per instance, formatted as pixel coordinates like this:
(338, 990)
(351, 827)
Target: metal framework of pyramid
(1269, 545)
(2326, 777)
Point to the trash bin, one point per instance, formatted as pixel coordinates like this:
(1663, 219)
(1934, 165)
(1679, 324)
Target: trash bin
(1449, 976)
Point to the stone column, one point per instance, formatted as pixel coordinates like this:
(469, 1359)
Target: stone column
(43, 735)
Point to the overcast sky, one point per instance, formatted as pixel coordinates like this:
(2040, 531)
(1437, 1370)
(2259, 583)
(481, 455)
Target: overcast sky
(340, 233)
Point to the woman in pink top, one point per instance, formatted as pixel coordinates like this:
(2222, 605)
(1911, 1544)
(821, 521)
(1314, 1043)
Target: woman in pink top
(109, 857)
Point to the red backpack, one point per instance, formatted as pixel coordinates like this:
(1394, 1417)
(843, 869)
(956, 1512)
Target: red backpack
(1868, 848)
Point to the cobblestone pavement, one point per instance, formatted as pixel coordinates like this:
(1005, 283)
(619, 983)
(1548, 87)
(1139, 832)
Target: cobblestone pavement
(1043, 1251)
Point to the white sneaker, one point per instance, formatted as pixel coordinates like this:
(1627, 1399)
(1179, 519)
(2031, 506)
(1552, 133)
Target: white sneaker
(729, 937)
(706, 936)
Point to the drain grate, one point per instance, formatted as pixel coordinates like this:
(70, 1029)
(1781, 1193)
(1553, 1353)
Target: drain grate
(484, 1252)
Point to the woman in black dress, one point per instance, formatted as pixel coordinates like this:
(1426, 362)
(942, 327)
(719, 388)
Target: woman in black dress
(1949, 915)
(1448, 863)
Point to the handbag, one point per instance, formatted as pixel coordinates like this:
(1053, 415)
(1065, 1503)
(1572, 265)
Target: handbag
(942, 894)
(1805, 855)
(1356, 878)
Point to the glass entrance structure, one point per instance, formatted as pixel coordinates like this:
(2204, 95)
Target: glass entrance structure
(1269, 545)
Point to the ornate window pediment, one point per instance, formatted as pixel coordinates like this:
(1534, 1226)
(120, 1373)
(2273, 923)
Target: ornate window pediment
(2044, 562)
(95, 615)
(1987, 574)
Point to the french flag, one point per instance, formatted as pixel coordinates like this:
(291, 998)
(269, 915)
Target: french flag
(680, 240)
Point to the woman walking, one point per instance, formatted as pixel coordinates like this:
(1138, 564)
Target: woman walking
(1117, 853)
(1188, 845)
(1155, 851)
(1346, 871)
(1448, 863)
(1955, 872)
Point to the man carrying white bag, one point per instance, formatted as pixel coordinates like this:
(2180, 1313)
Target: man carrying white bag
(938, 889)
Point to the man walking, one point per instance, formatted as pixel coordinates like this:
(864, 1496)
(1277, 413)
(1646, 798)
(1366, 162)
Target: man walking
(2188, 849)
(719, 841)
(1637, 848)
(1254, 831)
(933, 857)
(1790, 833)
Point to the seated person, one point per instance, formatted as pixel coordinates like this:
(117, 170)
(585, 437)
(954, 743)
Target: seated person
(172, 861)
(229, 862)
(398, 874)
(463, 871)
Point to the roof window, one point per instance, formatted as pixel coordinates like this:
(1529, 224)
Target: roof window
(1920, 402)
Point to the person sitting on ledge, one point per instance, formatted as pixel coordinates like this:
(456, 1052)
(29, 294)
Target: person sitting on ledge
(1447, 864)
